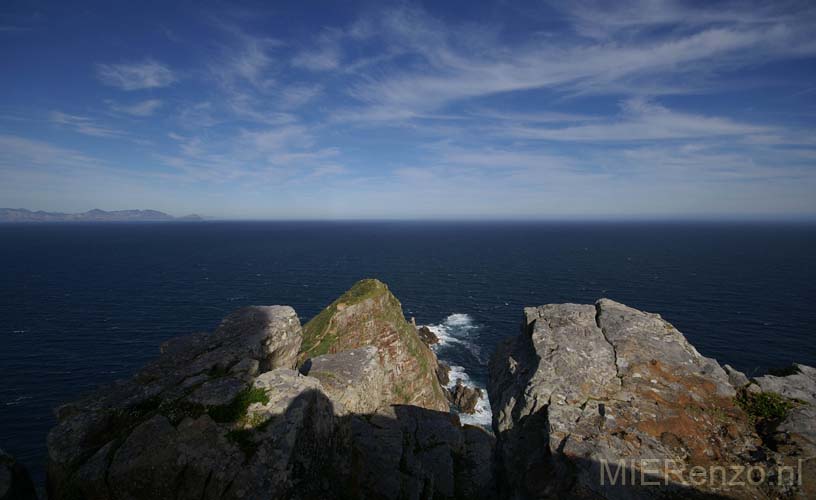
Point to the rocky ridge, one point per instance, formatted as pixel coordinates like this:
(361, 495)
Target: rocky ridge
(350, 406)
(13, 215)
(606, 389)
(369, 315)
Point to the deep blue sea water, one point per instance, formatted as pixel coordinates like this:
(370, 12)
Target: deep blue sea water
(82, 305)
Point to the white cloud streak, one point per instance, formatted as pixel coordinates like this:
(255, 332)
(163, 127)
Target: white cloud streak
(141, 109)
(147, 74)
(642, 121)
(83, 125)
(457, 68)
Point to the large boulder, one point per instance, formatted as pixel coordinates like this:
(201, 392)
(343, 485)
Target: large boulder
(354, 380)
(465, 398)
(589, 390)
(427, 336)
(369, 315)
(799, 383)
(194, 396)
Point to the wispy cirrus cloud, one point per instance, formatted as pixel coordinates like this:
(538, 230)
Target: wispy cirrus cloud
(589, 106)
(83, 125)
(146, 74)
(274, 154)
(20, 150)
(641, 120)
(140, 109)
(454, 66)
(325, 55)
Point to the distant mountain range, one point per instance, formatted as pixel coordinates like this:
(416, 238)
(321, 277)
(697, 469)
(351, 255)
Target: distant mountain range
(95, 215)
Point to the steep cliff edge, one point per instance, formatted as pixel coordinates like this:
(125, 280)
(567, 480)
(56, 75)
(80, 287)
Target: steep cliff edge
(589, 401)
(369, 315)
(224, 415)
(606, 401)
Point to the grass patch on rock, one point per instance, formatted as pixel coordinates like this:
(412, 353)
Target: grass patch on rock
(784, 371)
(237, 408)
(765, 407)
(317, 338)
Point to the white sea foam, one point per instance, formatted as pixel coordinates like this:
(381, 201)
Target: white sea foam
(482, 415)
(457, 330)
(460, 320)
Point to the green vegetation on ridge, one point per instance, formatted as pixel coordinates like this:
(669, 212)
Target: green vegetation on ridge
(317, 339)
(383, 313)
(765, 407)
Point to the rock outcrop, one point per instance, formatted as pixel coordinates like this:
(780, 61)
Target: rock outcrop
(465, 398)
(427, 336)
(354, 380)
(590, 401)
(369, 315)
(793, 438)
(15, 483)
(224, 415)
(185, 402)
(588, 390)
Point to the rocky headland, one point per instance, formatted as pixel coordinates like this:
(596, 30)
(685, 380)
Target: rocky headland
(13, 215)
(589, 401)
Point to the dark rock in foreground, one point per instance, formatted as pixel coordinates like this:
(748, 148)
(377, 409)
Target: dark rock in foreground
(15, 483)
(586, 394)
(226, 416)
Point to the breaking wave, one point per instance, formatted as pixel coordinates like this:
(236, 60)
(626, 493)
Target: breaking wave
(458, 329)
(482, 415)
(459, 332)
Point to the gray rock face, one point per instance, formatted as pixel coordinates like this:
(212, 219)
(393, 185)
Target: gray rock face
(223, 416)
(15, 483)
(218, 392)
(583, 391)
(96, 435)
(273, 330)
(354, 380)
(801, 385)
(736, 377)
(465, 398)
(795, 437)
(589, 385)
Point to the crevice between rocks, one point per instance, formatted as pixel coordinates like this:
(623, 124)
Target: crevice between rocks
(603, 332)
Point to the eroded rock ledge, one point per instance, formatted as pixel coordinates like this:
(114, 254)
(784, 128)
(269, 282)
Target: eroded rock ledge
(586, 387)
(350, 406)
(227, 415)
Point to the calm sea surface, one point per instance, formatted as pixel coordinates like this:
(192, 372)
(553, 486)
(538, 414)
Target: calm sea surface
(81, 305)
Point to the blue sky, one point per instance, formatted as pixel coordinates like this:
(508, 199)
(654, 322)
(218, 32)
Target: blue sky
(383, 109)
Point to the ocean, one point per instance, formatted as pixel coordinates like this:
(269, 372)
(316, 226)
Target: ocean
(85, 304)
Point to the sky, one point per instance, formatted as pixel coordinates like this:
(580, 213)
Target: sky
(418, 110)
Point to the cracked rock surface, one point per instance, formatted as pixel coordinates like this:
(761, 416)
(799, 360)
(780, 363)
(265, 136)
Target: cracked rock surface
(225, 415)
(586, 385)
(585, 392)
